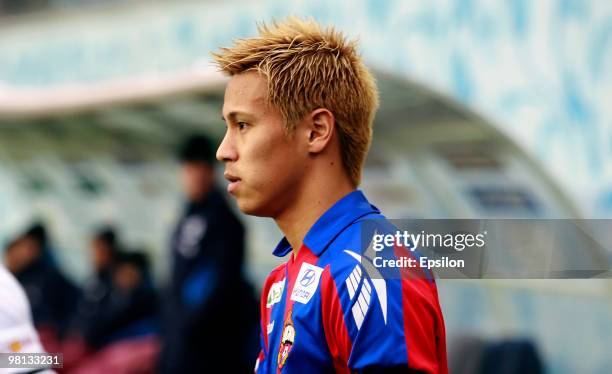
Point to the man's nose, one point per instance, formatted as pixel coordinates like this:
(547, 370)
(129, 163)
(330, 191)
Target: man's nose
(226, 150)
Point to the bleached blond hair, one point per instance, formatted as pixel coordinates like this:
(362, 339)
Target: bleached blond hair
(309, 67)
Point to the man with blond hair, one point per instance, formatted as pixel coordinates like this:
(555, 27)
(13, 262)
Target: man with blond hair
(299, 108)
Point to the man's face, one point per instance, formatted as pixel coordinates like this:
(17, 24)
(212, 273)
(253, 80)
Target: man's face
(127, 277)
(262, 163)
(22, 254)
(102, 254)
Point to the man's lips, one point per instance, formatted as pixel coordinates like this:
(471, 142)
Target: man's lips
(234, 182)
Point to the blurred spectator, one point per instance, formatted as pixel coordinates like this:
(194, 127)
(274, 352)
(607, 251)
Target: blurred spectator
(52, 296)
(119, 308)
(129, 309)
(121, 328)
(104, 248)
(104, 252)
(210, 314)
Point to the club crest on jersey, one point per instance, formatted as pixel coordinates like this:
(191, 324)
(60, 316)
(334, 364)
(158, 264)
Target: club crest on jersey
(306, 283)
(287, 340)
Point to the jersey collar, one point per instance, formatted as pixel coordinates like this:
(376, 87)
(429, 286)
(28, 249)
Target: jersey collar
(344, 212)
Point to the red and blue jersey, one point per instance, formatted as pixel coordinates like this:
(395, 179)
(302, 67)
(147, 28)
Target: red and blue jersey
(323, 312)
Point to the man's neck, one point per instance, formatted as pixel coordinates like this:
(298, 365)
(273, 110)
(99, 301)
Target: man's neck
(308, 207)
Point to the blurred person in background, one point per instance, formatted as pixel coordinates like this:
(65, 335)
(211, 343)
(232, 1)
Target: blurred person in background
(83, 337)
(211, 314)
(121, 332)
(130, 308)
(104, 249)
(51, 295)
(120, 300)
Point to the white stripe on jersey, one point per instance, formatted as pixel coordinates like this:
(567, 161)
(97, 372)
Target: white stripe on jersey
(377, 279)
(362, 302)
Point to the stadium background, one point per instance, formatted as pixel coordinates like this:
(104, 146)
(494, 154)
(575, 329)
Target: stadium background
(489, 109)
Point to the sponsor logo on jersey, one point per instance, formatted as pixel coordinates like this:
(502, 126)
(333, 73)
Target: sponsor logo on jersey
(306, 283)
(275, 293)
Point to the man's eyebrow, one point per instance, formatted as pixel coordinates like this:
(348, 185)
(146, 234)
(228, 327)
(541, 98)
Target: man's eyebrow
(232, 115)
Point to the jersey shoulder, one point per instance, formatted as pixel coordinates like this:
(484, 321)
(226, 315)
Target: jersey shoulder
(352, 246)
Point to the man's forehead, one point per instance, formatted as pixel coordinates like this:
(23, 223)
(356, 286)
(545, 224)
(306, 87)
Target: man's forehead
(245, 93)
(248, 86)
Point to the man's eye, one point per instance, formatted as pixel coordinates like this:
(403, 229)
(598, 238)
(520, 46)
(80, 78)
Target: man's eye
(242, 125)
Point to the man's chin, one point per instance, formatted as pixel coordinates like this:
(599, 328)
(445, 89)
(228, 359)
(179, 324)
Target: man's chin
(252, 209)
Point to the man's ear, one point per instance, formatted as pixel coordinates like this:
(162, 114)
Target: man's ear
(321, 130)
